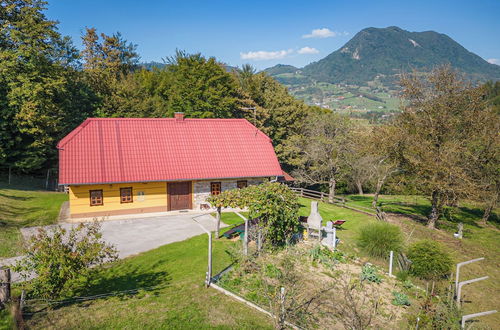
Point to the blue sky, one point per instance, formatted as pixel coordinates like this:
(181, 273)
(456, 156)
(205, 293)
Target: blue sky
(265, 33)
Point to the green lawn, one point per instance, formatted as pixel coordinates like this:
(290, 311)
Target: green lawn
(181, 267)
(6, 321)
(183, 303)
(24, 208)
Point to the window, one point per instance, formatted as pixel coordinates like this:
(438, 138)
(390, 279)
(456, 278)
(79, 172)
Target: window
(140, 196)
(215, 188)
(126, 195)
(96, 197)
(241, 184)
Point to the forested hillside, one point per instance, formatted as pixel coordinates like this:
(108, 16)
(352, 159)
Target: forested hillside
(48, 87)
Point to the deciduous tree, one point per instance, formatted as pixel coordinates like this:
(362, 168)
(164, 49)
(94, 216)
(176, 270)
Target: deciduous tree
(320, 151)
(433, 133)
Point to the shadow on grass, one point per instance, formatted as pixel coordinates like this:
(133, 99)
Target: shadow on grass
(118, 285)
(15, 213)
(17, 198)
(26, 185)
(135, 280)
(358, 198)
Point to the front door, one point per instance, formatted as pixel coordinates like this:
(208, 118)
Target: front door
(179, 196)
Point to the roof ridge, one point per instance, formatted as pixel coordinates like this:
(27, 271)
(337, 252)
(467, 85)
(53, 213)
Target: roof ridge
(161, 119)
(73, 133)
(258, 130)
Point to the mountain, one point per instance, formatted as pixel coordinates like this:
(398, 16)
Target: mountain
(386, 52)
(280, 69)
(152, 65)
(360, 78)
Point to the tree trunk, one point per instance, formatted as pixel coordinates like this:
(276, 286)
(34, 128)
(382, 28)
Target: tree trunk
(4, 286)
(218, 222)
(489, 208)
(435, 210)
(380, 183)
(359, 185)
(331, 192)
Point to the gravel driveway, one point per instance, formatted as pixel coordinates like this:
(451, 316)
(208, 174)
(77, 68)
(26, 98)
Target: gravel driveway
(133, 236)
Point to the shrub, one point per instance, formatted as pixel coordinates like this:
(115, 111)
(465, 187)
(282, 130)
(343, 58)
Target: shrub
(429, 260)
(59, 258)
(402, 275)
(274, 204)
(400, 299)
(324, 255)
(378, 238)
(369, 273)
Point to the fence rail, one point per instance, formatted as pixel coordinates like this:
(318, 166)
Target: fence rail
(324, 197)
(316, 195)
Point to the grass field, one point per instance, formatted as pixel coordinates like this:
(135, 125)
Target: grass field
(24, 208)
(179, 269)
(182, 303)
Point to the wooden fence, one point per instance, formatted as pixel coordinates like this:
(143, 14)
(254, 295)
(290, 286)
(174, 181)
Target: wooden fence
(316, 195)
(340, 201)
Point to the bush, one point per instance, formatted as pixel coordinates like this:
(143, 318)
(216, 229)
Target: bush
(369, 273)
(322, 254)
(274, 204)
(378, 238)
(402, 275)
(429, 260)
(400, 299)
(58, 259)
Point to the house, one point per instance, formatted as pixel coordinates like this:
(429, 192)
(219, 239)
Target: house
(115, 166)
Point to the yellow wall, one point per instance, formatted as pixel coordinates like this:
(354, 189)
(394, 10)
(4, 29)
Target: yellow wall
(155, 196)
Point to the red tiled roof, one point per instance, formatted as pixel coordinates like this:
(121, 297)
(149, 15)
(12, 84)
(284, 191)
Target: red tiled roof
(288, 177)
(111, 150)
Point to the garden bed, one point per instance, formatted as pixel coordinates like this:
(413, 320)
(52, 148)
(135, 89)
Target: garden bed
(322, 288)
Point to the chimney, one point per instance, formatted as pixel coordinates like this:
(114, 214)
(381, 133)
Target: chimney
(179, 116)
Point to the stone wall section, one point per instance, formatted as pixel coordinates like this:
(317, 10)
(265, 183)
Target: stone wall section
(202, 188)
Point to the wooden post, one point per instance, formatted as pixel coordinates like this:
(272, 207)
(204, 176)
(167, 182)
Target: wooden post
(23, 300)
(245, 239)
(47, 180)
(218, 222)
(209, 272)
(391, 256)
(4, 286)
(9, 174)
(259, 240)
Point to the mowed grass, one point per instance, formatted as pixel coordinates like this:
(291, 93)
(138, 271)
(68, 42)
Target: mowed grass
(182, 302)
(24, 208)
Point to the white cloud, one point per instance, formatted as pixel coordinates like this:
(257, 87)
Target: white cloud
(308, 50)
(264, 55)
(494, 61)
(324, 33)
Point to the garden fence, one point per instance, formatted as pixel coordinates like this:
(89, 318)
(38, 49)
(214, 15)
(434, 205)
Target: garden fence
(324, 197)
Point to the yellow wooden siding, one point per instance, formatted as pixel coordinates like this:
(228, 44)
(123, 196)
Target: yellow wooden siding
(155, 194)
